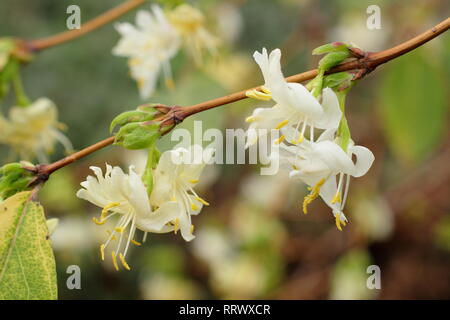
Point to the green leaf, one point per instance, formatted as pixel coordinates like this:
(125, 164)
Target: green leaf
(135, 136)
(27, 264)
(412, 107)
(331, 47)
(332, 59)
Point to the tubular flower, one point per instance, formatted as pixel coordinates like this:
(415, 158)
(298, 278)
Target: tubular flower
(32, 131)
(295, 106)
(176, 175)
(125, 195)
(326, 168)
(149, 46)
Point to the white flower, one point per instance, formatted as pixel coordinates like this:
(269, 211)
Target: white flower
(32, 131)
(125, 195)
(295, 106)
(175, 177)
(149, 46)
(190, 23)
(324, 165)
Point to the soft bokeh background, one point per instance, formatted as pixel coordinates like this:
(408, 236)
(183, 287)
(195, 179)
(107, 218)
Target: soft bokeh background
(253, 241)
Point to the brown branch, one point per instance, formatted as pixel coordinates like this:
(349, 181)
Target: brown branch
(369, 62)
(89, 26)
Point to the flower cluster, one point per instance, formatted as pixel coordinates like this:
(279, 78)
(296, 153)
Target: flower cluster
(168, 207)
(324, 163)
(32, 130)
(156, 39)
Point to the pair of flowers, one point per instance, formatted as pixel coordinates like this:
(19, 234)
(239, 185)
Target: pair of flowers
(168, 208)
(325, 163)
(157, 38)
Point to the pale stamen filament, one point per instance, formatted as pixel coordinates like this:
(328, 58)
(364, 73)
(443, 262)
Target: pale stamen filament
(347, 186)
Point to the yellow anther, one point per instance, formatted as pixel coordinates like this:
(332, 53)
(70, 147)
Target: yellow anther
(265, 90)
(280, 139)
(250, 119)
(107, 207)
(109, 233)
(282, 124)
(258, 95)
(170, 84)
(194, 207)
(118, 229)
(194, 181)
(140, 83)
(135, 61)
(299, 140)
(98, 222)
(312, 195)
(102, 252)
(173, 199)
(135, 242)
(176, 225)
(336, 198)
(124, 263)
(192, 229)
(113, 255)
(339, 222)
(202, 201)
(294, 167)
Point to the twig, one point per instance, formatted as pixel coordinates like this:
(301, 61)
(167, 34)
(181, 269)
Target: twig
(101, 20)
(368, 63)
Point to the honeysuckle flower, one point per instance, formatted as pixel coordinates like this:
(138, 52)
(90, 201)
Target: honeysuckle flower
(33, 130)
(295, 106)
(125, 195)
(190, 23)
(149, 46)
(175, 177)
(326, 168)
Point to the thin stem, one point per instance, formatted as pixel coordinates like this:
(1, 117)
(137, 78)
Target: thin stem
(369, 63)
(89, 26)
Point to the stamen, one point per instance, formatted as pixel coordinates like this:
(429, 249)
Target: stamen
(194, 181)
(109, 233)
(176, 225)
(339, 222)
(265, 90)
(258, 95)
(118, 229)
(102, 251)
(299, 140)
(313, 195)
(250, 119)
(194, 207)
(336, 198)
(107, 207)
(135, 242)
(280, 139)
(124, 263)
(202, 201)
(192, 229)
(170, 83)
(282, 124)
(98, 222)
(113, 255)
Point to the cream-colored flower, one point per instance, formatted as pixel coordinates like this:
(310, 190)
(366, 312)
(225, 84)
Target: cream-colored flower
(33, 130)
(295, 108)
(190, 23)
(125, 195)
(175, 177)
(149, 46)
(326, 168)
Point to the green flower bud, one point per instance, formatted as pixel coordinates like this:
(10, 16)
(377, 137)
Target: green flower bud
(331, 47)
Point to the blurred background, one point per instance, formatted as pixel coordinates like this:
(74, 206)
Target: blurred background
(254, 242)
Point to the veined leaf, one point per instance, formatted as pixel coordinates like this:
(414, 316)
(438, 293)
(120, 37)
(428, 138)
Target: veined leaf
(27, 264)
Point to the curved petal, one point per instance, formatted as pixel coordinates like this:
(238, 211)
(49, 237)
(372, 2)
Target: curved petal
(332, 113)
(303, 101)
(364, 160)
(333, 156)
(155, 221)
(138, 196)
